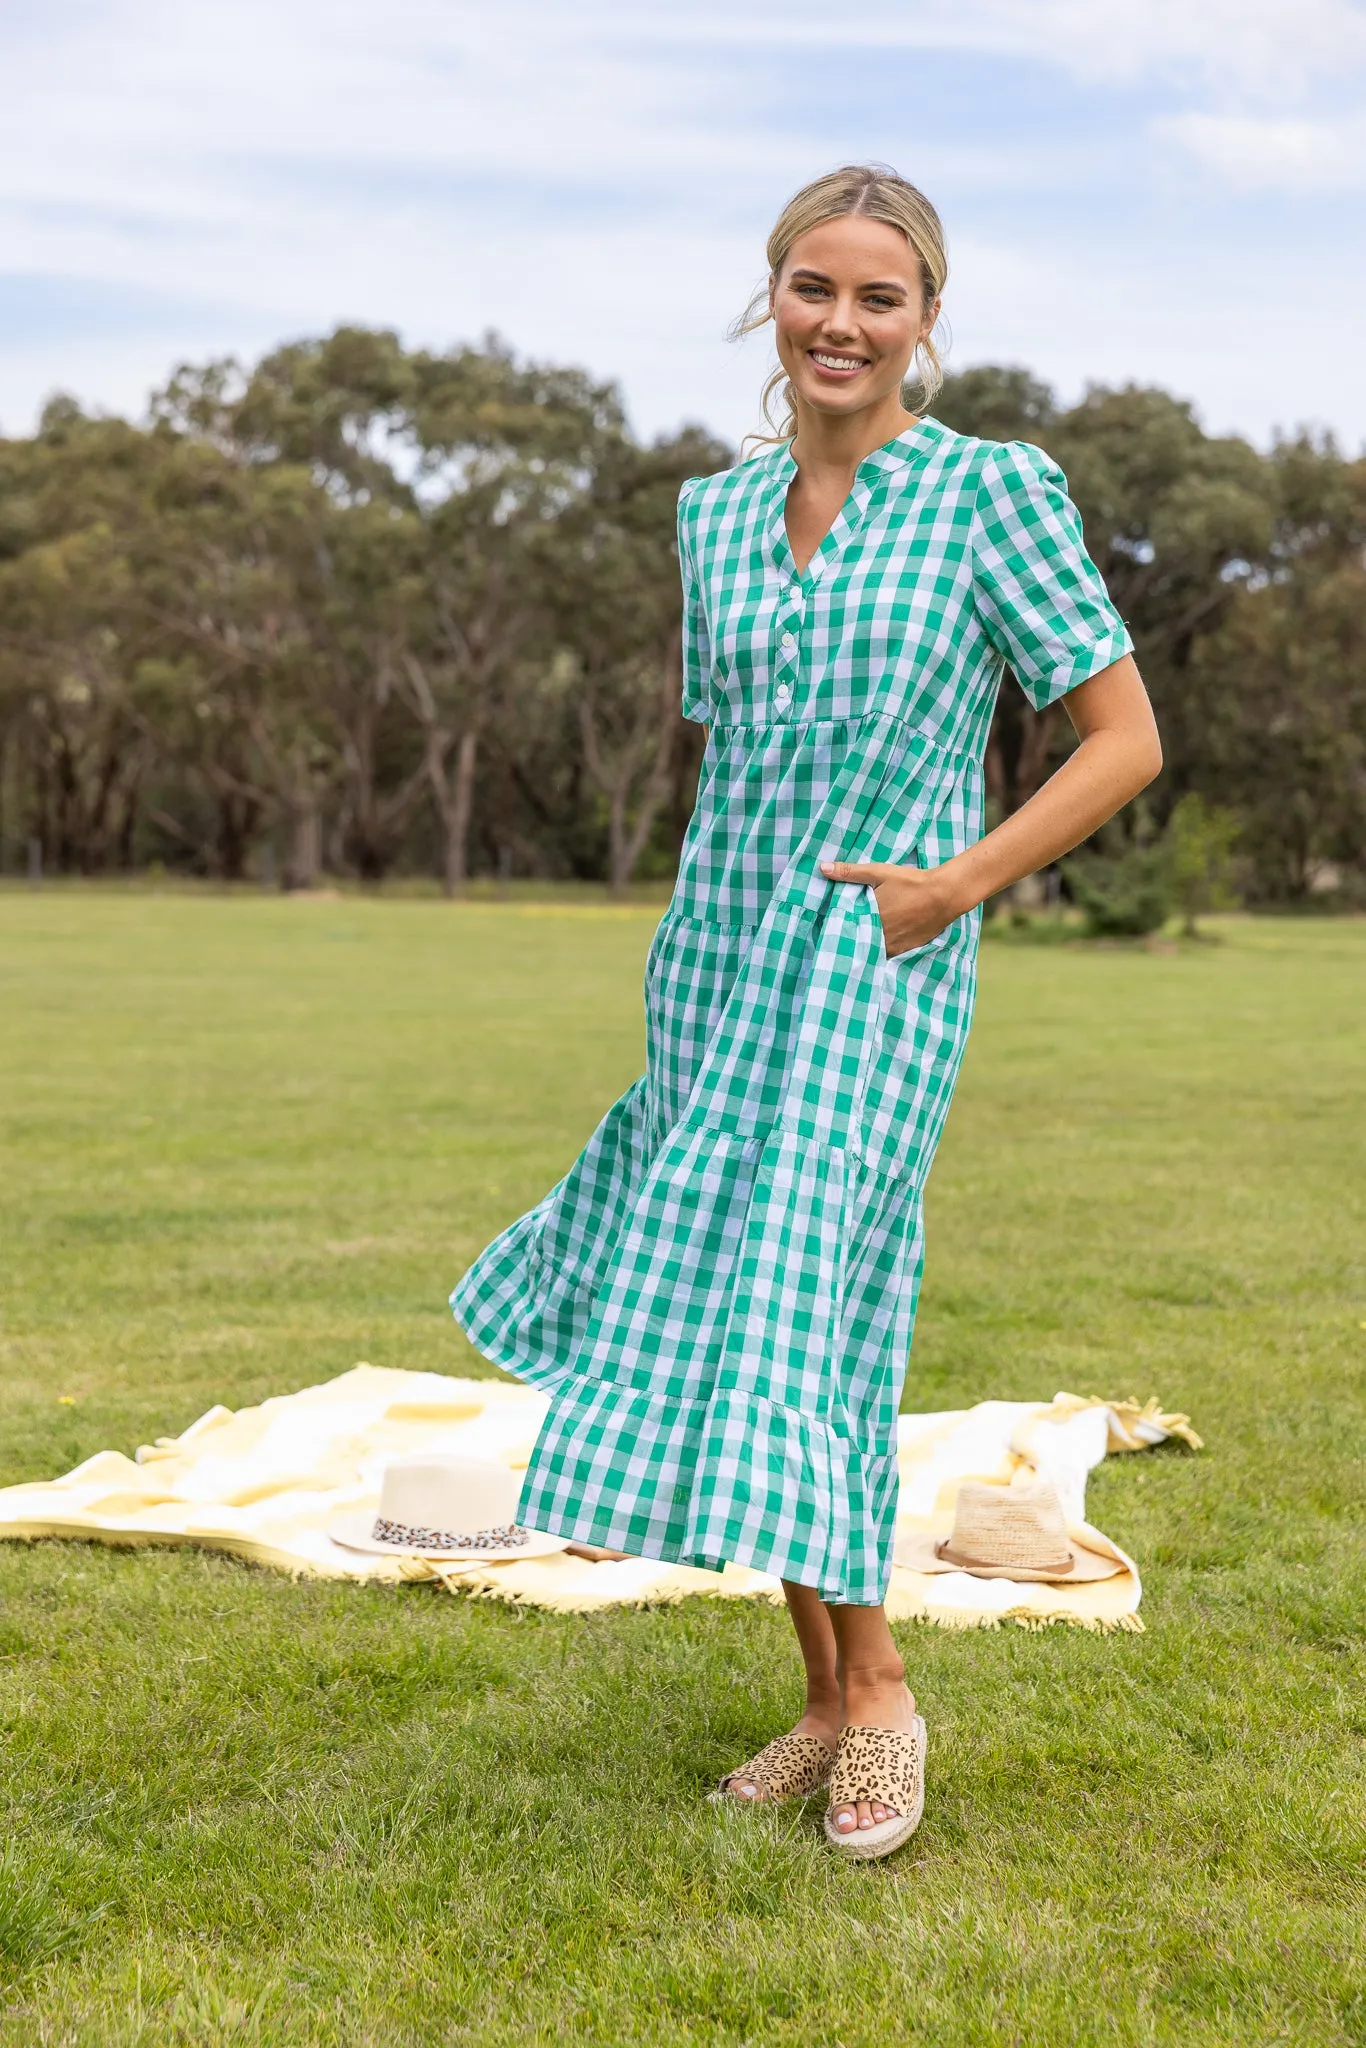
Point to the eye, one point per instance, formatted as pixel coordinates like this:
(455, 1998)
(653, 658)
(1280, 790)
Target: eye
(809, 290)
(883, 303)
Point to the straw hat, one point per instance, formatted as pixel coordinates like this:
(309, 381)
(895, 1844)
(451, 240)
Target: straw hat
(1008, 1532)
(461, 1510)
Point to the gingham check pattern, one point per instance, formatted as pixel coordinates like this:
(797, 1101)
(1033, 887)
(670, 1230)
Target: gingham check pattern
(720, 1294)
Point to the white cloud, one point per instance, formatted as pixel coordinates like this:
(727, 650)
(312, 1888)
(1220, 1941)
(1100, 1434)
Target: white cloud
(596, 181)
(1227, 46)
(1288, 155)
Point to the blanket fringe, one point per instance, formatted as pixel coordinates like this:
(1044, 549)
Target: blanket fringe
(965, 1618)
(961, 1618)
(1134, 1425)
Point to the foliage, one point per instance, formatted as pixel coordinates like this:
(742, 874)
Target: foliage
(262, 1144)
(1241, 578)
(1128, 886)
(325, 605)
(1201, 840)
(1125, 895)
(361, 608)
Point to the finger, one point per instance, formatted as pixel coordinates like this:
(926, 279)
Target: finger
(870, 872)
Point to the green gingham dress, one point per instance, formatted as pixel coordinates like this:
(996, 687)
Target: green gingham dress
(719, 1295)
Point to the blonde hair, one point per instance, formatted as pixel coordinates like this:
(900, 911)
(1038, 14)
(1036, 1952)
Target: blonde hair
(876, 192)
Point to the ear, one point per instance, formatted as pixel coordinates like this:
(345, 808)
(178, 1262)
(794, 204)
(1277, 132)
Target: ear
(931, 316)
(772, 292)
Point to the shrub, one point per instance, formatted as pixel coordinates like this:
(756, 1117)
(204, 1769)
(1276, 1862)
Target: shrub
(1124, 895)
(1201, 838)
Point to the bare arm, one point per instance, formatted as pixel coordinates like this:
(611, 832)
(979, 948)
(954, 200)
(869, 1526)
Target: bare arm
(1119, 755)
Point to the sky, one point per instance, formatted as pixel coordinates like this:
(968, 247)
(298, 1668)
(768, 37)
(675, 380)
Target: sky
(1162, 191)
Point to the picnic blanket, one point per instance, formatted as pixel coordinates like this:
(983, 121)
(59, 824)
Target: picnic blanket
(264, 1484)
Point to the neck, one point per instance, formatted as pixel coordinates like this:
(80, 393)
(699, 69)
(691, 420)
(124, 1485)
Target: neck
(838, 442)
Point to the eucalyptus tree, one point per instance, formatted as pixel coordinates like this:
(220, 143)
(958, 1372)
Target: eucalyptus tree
(76, 694)
(332, 418)
(617, 602)
(1281, 687)
(506, 452)
(217, 557)
(1176, 520)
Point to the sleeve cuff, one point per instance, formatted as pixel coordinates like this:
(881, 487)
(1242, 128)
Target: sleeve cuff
(1091, 661)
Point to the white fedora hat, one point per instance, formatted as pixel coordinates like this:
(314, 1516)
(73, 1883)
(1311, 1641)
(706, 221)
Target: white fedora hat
(457, 1510)
(1008, 1532)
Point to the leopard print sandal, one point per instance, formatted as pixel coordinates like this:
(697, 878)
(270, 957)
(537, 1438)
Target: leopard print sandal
(886, 1764)
(789, 1767)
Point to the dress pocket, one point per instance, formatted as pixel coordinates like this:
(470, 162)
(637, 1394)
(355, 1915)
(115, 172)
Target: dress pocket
(926, 1010)
(951, 933)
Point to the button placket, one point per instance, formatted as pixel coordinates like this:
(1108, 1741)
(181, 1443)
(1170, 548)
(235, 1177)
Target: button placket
(789, 623)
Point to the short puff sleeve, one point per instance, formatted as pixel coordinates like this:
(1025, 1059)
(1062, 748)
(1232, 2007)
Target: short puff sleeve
(696, 638)
(1041, 598)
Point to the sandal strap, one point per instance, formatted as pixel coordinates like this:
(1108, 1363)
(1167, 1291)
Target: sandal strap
(787, 1768)
(885, 1764)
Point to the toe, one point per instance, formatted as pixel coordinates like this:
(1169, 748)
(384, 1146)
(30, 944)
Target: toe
(846, 1819)
(742, 1788)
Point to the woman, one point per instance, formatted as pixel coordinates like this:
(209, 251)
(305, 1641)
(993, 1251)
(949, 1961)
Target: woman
(719, 1296)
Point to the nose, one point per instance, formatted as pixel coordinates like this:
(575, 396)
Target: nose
(841, 321)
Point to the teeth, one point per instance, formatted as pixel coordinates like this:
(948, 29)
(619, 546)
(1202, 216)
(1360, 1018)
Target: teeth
(837, 362)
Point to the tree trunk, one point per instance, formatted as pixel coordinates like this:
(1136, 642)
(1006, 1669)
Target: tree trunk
(1035, 741)
(365, 835)
(627, 843)
(304, 859)
(998, 789)
(457, 812)
(619, 860)
(237, 820)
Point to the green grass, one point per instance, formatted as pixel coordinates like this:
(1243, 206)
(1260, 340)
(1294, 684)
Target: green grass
(248, 1142)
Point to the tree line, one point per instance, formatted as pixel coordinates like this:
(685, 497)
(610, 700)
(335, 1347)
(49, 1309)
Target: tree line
(369, 610)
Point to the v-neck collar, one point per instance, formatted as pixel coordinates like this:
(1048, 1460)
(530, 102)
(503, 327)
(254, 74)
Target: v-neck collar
(893, 454)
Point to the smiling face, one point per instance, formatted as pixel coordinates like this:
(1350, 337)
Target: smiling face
(848, 306)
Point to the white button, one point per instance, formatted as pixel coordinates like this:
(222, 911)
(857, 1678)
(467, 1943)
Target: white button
(789, 640)
(782, 693)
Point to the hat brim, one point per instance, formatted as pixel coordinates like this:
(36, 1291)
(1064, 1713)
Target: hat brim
(355, 1531)
(917, 1552)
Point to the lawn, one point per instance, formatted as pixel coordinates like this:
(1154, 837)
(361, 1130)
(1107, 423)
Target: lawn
(248, 1142)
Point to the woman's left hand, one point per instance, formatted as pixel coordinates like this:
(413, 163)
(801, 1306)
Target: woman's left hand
(915, 904)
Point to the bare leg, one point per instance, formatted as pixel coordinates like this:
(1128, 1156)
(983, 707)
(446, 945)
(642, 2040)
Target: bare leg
(816, 1640)
(873, 1690)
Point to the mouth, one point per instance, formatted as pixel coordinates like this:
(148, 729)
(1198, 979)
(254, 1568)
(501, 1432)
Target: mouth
(835, 365)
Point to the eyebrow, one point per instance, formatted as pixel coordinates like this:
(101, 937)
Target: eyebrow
(821, 277)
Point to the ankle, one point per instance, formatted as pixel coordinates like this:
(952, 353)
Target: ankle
(886, 1675)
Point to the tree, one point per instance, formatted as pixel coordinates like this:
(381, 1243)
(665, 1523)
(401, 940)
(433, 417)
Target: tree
(218, 574)
(1201, 838)
(337, 413)
(506, 450)
(70, 659)
(403, 608)
(1175, 520)
(74, 682)
(617, 600)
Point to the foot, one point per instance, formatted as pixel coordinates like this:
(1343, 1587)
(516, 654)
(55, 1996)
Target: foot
(822, 1721)
(873, 1700)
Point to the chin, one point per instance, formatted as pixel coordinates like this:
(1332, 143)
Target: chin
(849, 398)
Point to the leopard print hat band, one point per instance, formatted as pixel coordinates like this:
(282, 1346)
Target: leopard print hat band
(407, 1536)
